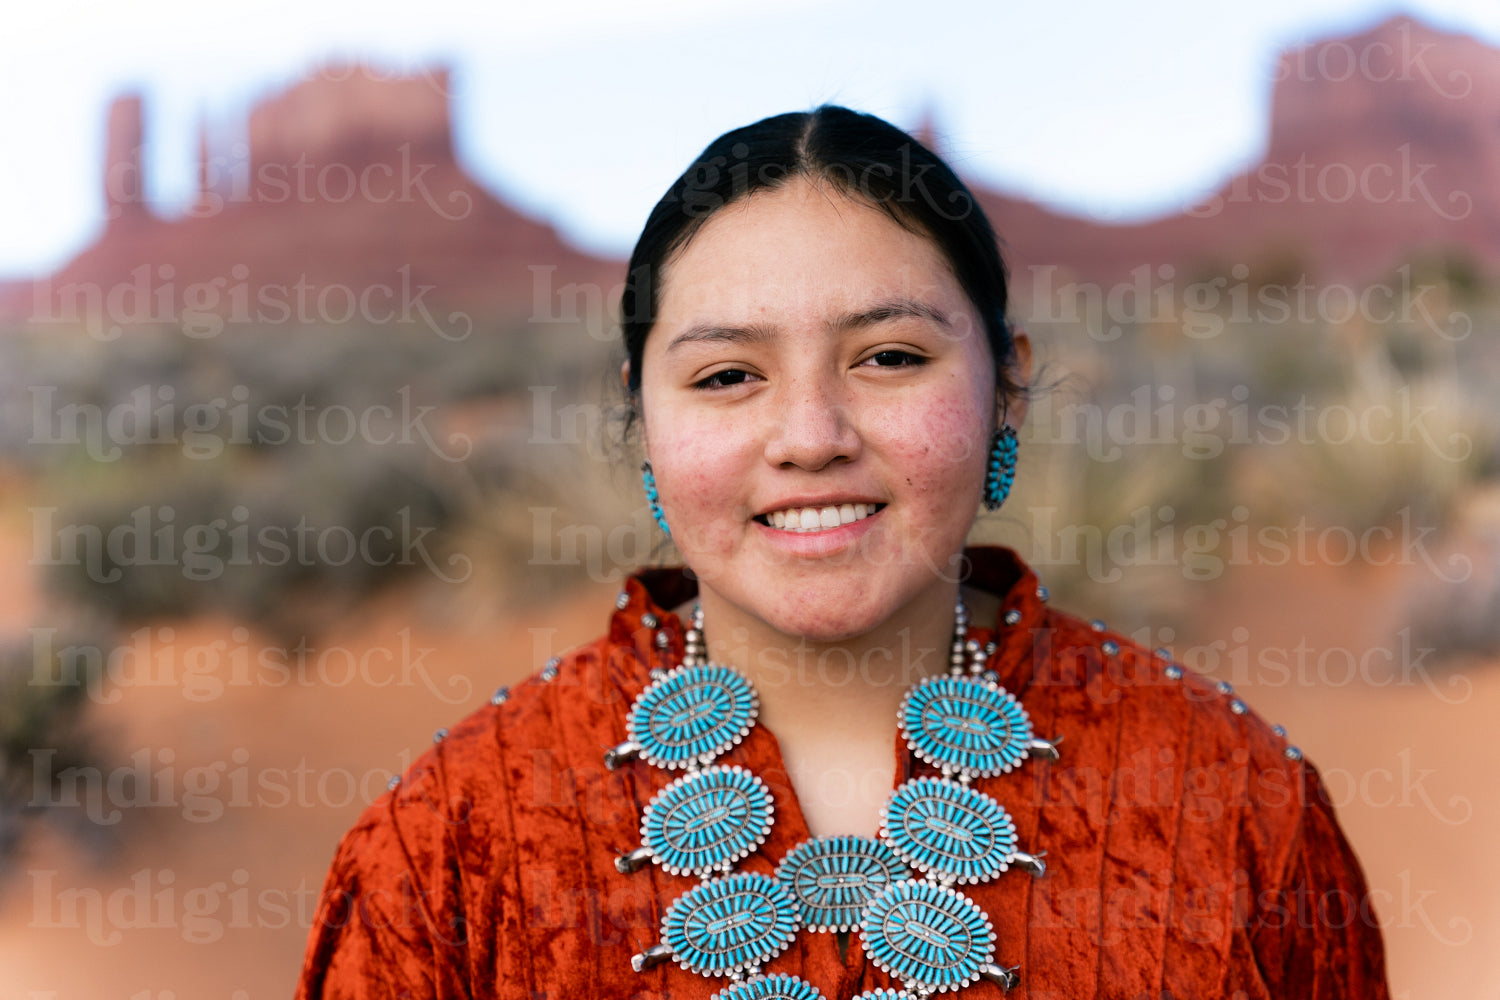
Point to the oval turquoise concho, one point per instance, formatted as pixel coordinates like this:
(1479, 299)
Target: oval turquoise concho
(833, 878)
(936, 832)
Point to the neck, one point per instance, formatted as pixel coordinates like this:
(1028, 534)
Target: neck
(806, 686)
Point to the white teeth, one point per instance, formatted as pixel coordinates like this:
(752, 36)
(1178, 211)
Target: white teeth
(802, 519)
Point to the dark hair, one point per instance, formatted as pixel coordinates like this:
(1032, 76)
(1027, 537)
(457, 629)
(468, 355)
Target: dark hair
(867, 158)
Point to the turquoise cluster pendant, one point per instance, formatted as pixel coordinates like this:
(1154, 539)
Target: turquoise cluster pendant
(936, 833)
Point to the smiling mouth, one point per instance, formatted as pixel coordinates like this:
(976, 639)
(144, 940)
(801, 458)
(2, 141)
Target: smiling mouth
(802, 520)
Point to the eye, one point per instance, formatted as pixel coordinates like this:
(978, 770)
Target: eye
(722, 379)
(896, 359)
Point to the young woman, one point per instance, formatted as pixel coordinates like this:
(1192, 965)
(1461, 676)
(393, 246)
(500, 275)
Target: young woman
(838, 754)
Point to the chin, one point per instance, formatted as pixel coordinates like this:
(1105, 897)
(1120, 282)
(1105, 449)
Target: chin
(830, 620)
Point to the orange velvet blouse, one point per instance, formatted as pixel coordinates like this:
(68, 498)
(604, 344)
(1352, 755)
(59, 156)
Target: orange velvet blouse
(1190, 852)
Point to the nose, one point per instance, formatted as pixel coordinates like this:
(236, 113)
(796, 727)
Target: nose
(812, 425)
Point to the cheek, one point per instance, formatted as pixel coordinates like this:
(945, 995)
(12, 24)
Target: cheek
(700, 470)
(936, 450)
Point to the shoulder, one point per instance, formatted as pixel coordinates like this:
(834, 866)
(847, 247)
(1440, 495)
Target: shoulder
(518, 751)
(1153, 733)
(1117, 675)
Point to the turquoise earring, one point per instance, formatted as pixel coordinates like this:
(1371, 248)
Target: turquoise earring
(1002, 467)
(648, 480)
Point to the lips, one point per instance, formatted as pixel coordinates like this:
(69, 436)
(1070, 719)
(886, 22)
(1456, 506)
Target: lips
(805, 519)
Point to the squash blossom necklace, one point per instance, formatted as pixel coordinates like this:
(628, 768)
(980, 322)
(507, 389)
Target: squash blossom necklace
(897, 890)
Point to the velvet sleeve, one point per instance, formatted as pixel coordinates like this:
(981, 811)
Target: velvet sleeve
(388, 924)
(1316, 934)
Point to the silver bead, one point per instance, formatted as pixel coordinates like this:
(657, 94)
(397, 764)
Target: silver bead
(971, 646)
(652, 956)
(618, 755)
(627, 863)
(501, 695)
(1006, 979)
(1279, 730)
(648, 620)
(989, 648)
(1292, 753)
(662, 640)
(1164, 652)
(439, 736)
(1110, 647)
(621, 600)
(549, 672)
(1237, 707)
(1042, 593)
(1173, 672)
(1011, 617)
(391, 785)
(1225, 687)
(657, 673)
(1098, 625)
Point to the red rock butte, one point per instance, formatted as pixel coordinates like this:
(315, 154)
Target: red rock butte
(344, 200)
(1381, 145)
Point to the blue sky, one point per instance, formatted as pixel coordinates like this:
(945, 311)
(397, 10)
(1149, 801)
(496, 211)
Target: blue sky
(582, 111)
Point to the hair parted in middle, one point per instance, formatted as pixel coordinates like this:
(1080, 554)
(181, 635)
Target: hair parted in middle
(866, 158)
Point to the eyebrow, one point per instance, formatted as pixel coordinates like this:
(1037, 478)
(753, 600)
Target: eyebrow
(881, 312)
(890, 309)
(712, 333)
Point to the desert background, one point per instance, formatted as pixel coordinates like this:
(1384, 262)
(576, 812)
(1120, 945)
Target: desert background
(300, 469)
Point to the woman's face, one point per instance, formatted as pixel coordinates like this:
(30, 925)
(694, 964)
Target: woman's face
(811, 355)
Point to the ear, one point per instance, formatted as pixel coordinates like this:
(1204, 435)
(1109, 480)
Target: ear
(625, 381)
(1015, 409)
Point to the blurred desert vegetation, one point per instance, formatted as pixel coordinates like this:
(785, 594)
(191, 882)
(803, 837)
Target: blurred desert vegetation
(1142, 455)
